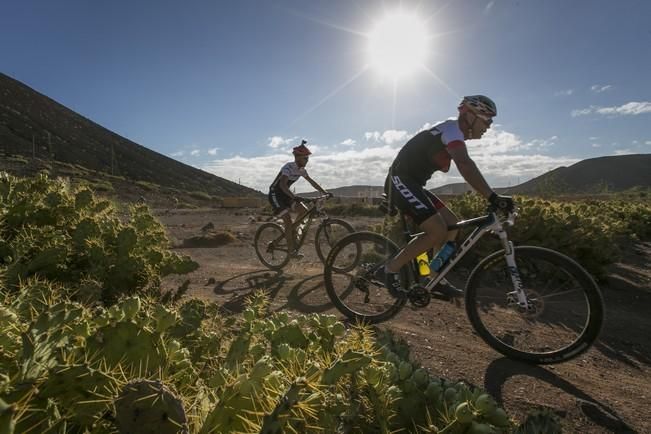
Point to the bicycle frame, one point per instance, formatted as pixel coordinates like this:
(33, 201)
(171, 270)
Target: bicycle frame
(485, 224)
(310, 213)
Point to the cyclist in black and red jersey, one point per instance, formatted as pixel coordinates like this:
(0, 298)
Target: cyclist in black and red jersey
(428, 151)
(281, 197)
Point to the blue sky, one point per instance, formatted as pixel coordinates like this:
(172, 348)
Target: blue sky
(231, 86)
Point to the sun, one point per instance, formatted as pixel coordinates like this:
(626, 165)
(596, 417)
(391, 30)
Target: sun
(398, 45)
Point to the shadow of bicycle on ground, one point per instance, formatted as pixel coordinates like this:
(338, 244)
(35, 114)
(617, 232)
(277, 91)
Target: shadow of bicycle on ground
(308, 296)
(501, 370)
(243, 285)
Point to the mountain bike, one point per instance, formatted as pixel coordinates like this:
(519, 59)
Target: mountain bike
(529, 303)
(271, 244)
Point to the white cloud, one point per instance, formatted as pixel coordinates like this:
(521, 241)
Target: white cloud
(599, 88)
(630, 108)
(177, 154)
(389, 136)
(582, 112)
(488, 7)
(564, 92)
(624, 151)
(213, 151)
(195, 152)
(501, 156)
(348, 142)
(278, 141)
(648, 142)
(544, 143)
(596, 145)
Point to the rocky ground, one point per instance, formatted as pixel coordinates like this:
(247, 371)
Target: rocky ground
(605, 390)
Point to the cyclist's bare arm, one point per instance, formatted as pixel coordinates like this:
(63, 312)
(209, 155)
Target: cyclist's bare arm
(314, 184)
(470, 171)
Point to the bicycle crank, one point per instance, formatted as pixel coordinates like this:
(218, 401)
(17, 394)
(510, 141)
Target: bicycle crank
(419, 296)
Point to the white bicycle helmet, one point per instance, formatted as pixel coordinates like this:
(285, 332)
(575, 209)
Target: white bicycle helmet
(479, 104)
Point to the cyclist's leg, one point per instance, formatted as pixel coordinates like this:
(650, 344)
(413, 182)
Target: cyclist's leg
(445, 212)
(444, 288)
(412, 199)
(281, 205)
(289, 230)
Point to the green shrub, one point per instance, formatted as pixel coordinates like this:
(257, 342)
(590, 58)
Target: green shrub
(66, 235)
(354, 210)
(589, 231)
(149, 186)
(201, 195)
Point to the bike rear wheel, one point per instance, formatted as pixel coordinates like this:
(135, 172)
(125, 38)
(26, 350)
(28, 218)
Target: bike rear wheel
(328, 234)
(353, 280)
(271, 245)
(566, 312)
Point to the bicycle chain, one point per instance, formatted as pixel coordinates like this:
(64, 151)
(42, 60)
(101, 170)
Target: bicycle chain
(419, 296)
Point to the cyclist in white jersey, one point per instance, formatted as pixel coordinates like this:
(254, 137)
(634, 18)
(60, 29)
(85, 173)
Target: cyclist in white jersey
(281, 197)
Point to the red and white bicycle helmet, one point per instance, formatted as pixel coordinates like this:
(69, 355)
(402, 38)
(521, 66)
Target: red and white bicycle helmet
(479, 104)
(301, 150)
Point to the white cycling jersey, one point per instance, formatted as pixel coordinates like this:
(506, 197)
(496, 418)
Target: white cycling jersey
(292, 171)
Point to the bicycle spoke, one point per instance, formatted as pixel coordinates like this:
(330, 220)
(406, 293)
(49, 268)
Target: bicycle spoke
(354, 279)
(271, 245)
(558, 310)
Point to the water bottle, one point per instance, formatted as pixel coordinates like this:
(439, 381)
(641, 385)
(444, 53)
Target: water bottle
(423, 266)
(442, 256)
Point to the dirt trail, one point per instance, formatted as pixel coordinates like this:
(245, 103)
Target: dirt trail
(606, 390)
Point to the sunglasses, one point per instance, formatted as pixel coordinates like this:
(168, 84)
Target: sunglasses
(488, 120)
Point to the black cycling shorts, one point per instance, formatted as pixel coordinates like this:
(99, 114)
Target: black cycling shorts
(280, 202)
(410, 197)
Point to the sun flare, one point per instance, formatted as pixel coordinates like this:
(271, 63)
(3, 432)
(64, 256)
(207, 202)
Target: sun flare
(398, 45)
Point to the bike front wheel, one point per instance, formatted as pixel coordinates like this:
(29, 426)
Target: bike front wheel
(565, 308)
(271, 245)
(327, 235)
(353, 276)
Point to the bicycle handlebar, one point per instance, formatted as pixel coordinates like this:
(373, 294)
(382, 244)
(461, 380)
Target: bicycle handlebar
(510, 215)
(314, 199)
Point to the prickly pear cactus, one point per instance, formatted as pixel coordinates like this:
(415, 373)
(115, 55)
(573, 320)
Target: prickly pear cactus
(149, 407)
(79, 389)
(540, 421)
(126, 343)
(7, 422)
(67, 234)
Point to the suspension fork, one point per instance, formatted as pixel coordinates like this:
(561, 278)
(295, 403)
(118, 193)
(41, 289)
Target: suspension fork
(517, 295)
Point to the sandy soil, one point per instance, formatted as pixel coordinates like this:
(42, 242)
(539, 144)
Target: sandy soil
(606, 390)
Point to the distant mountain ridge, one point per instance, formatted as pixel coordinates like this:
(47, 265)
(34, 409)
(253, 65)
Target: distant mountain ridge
(31, 124)
(351, 191)
(593, 175)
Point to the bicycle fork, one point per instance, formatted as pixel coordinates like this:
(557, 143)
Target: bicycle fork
(517, 296)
